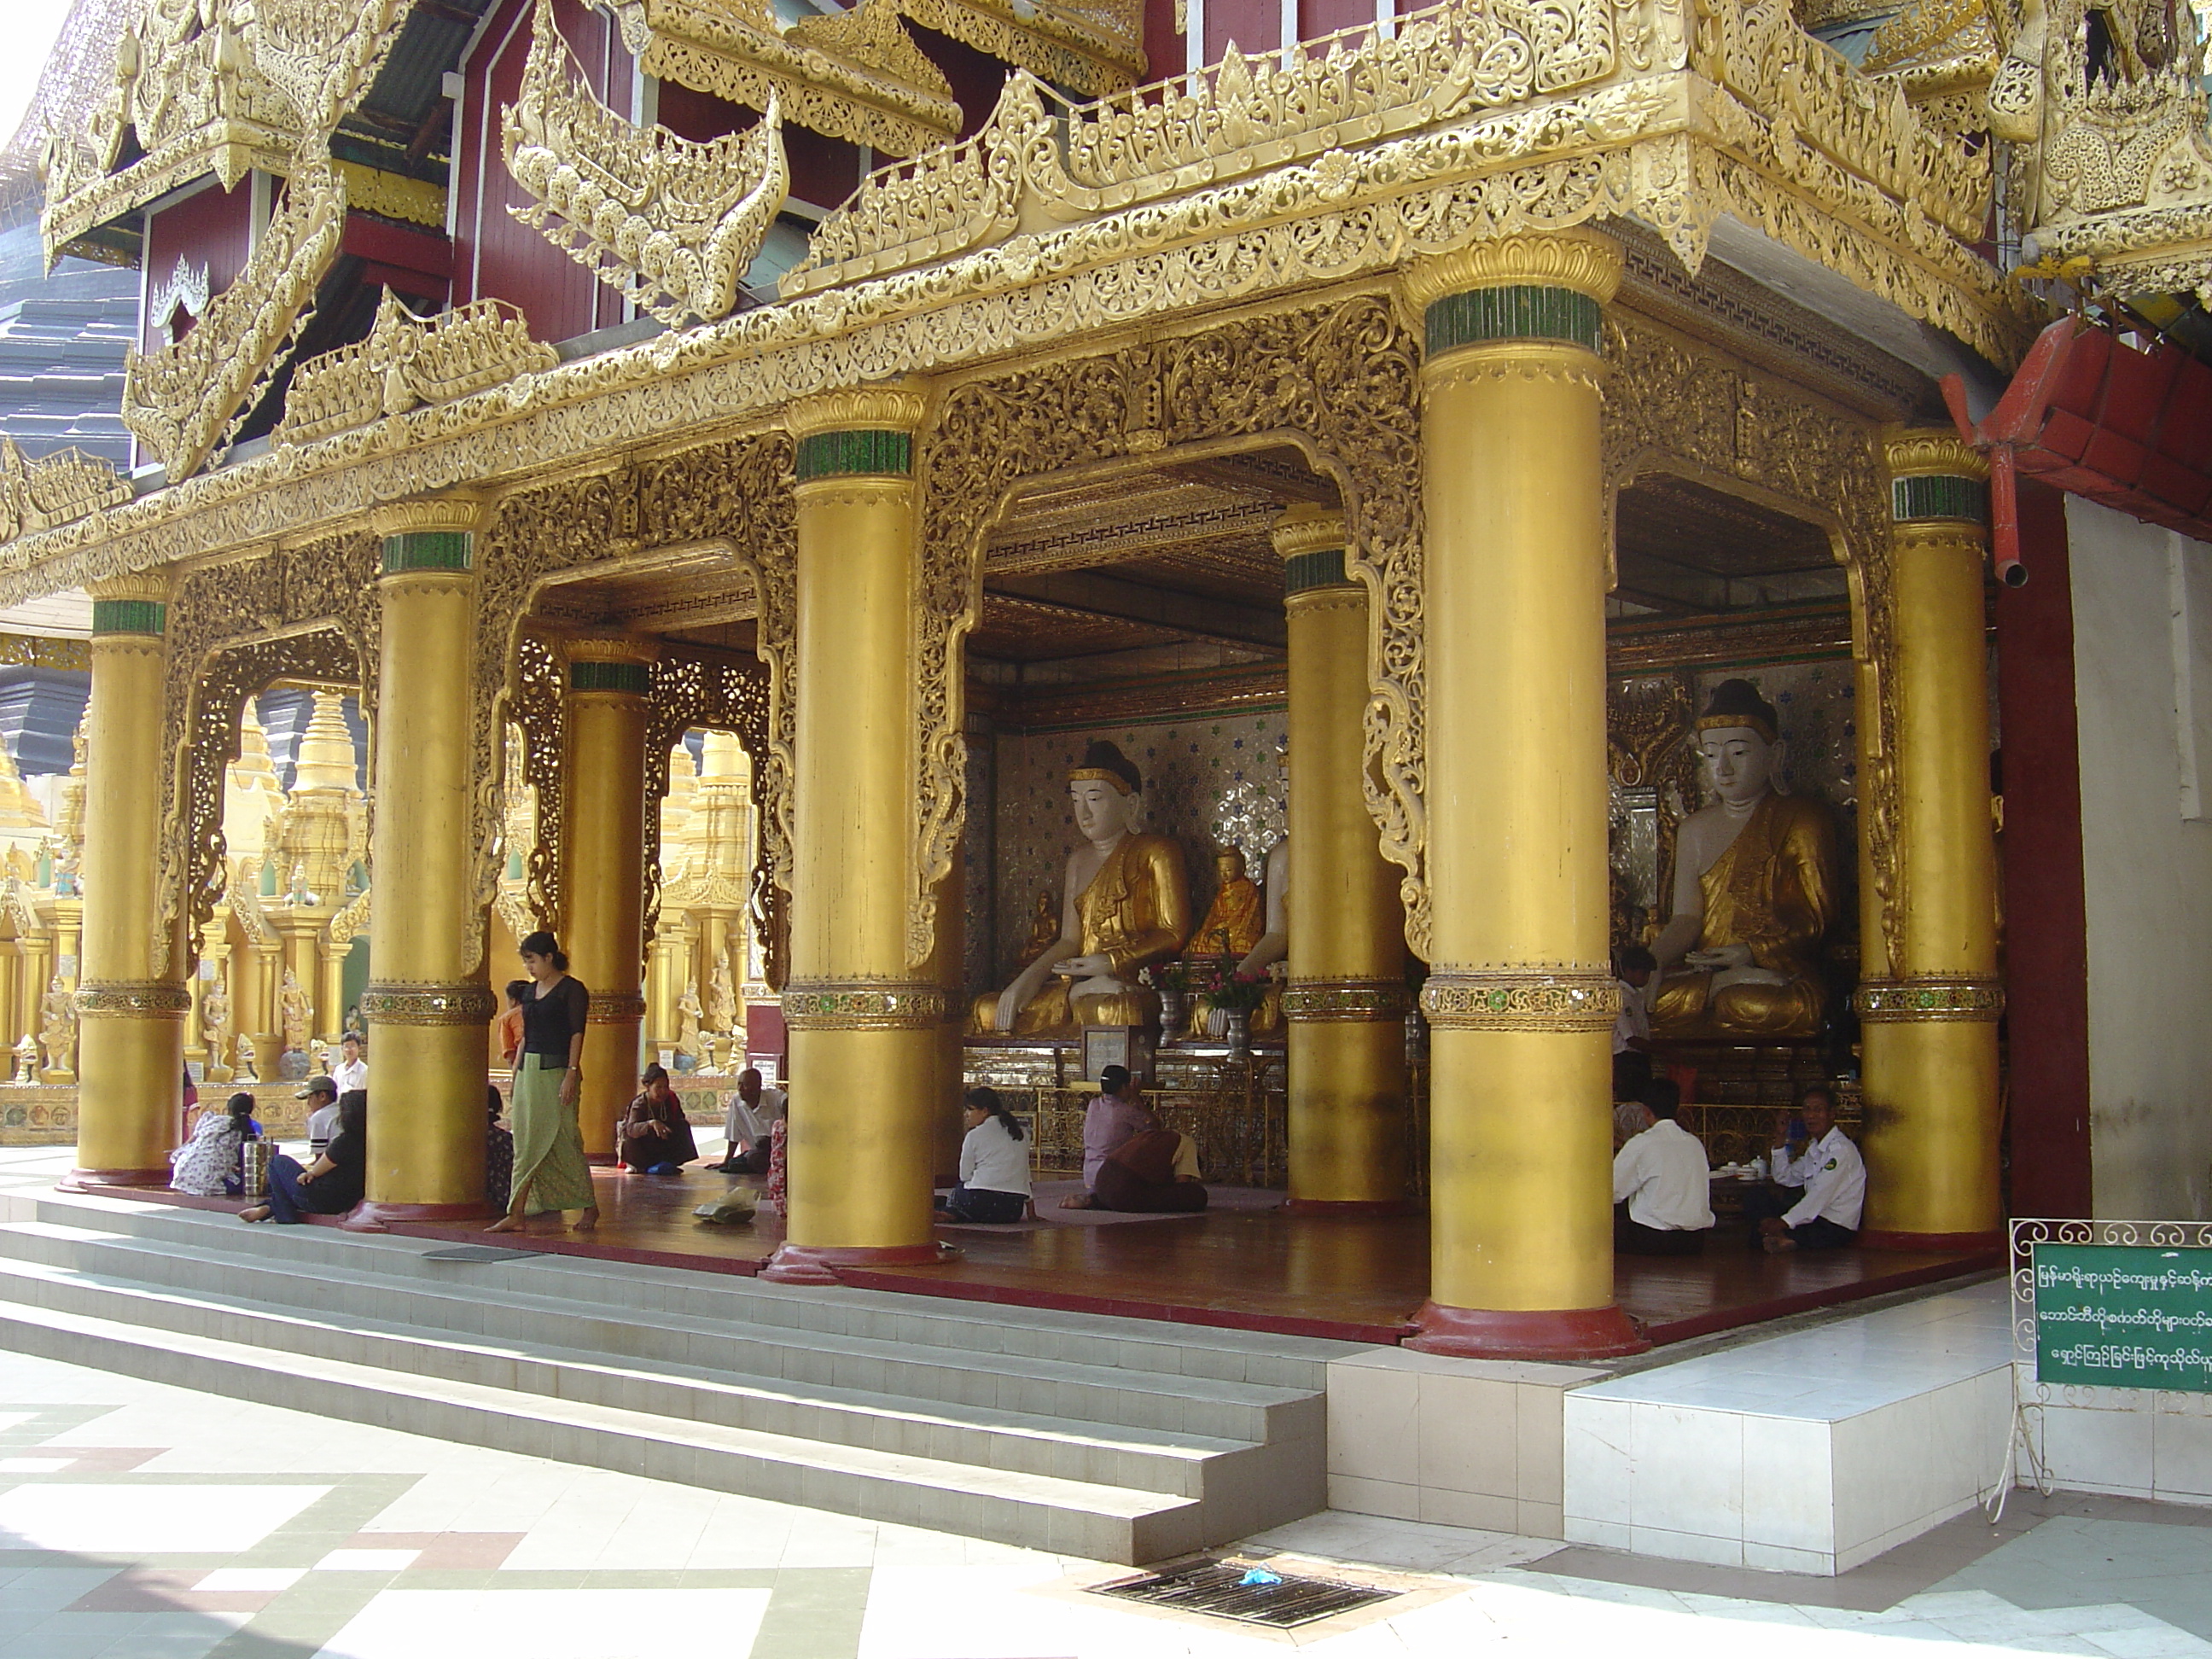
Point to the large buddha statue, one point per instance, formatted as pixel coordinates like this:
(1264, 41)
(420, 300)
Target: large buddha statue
(1757, 886)
(1125, 905)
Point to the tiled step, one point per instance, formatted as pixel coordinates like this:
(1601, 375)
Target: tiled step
(1126, 1397)
(1100, 1522)
(1062, 1447)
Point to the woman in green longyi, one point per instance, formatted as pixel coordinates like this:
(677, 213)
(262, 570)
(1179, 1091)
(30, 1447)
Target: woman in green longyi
(549, 1170)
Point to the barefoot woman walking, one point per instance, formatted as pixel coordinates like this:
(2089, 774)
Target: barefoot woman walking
(549, 1171)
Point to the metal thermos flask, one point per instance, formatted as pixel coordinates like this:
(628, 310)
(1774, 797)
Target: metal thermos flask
(254, 1158)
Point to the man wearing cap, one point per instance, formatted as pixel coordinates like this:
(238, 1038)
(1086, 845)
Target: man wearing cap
(321, 1095)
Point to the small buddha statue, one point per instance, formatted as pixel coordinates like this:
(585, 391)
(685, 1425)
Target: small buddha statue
(1125, 905)
(1757, 883)
(1232, 923)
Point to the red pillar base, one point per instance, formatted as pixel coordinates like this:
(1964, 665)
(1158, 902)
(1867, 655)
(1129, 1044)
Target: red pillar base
(817, 1264)
(601, 1160)
(1873, 1238)
(95, 1181)
(1549, 1333)
(1328, 1206)
(372, 1215)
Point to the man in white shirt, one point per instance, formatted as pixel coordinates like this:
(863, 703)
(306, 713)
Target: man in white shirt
(1831, 1174)
(1661, 1178)
(749, 1123)
(352, 1071)
(321, 1095)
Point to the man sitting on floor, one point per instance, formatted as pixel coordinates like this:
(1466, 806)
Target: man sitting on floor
(1153, 1172)
(1662, 1178)
(1831, 1173)
(748, 1125)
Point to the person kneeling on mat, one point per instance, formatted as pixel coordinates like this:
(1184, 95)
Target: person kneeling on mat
(1155, 1171)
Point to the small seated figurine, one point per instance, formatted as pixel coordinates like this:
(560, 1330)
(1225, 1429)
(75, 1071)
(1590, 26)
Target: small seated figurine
(1232, 923)
(1757, 886)
(1125, 905)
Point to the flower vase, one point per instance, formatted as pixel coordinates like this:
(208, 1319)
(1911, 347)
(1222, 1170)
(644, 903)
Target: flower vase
(1170, 1017)
(1239, 1022)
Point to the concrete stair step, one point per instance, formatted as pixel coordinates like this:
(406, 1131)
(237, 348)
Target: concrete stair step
(1259, 1359)
(1097, 1521)
(922, 1379)
(1062, 1449)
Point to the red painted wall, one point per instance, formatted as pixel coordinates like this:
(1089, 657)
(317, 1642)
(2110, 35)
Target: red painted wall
(1253, 27)
(2047, 958)
(493, 256)
(1320, 17)
(212, 229)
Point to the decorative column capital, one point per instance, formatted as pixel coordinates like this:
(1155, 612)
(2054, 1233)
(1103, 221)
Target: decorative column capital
(469, 1003)
(135, 606)
(864, 432)
(155, 999)
(1346, 1001)
(865, 1005)
(1310, 541)
(1545, 287)
(618, 666)
(1935, 478)
(436, 536)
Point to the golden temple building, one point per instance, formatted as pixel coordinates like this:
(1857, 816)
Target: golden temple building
(949, 542)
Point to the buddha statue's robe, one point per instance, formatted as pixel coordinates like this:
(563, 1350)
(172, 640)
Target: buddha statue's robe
(1135, 911)
(1777, 889)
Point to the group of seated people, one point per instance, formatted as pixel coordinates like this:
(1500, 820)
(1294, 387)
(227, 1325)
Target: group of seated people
(1662, 1188)
(1132, 1162)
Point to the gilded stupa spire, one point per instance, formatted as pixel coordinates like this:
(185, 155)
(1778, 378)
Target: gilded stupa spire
(325, 761)
(17, 810)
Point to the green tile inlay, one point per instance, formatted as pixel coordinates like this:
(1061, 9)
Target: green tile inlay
(840, 455)
(129, 616)
(1519, 312)
(1943, 496)
(428, 550)
(1322, 569)
(634, 677)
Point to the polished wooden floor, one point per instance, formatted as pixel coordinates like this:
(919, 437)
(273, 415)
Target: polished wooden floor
(1357, 1278)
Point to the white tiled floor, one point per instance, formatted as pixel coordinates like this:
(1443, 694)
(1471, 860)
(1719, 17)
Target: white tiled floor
(152, 1520)
(580, 1624)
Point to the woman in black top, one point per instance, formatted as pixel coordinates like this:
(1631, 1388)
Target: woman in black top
(549, 1170)
(333, 1183)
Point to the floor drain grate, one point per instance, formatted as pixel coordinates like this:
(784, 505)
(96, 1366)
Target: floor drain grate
(1246, 1590)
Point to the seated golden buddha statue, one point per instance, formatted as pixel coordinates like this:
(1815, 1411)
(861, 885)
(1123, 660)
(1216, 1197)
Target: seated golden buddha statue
(1125, 905)
(1757, 886)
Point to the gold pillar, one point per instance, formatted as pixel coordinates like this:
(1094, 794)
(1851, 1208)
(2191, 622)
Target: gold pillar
(948, 968)
(863, 1017)
(603, 828)
(330, 993)
(131, 999)
(427, 1006)
(1930, 998)
(11, 1000)
(1520, 996)
(1345, 1006)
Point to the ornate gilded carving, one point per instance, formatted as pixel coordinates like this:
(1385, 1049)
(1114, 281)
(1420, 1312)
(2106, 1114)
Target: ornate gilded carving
(1527, 998)
(1339, 1001)
(1338, 378)
(850, 1004)
(855, 75)
(38, 495)
(132, 1000)
(181, 400)
(669, 223)
(1911, 1001)
(393, 1003)
(538, 709)
(407, 361)
(690, 688)
(213, 86)
(234, 629)
(392, 195)
(1093, 48)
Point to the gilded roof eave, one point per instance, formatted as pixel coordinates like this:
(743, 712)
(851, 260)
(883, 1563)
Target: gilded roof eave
(1669, 145)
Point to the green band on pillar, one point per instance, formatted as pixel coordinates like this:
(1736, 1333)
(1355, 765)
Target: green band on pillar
(1484, 314)
(844, 454)
(1943, 496)
(634, 677)
(427, 550)
(129, 616)
(1322, 570)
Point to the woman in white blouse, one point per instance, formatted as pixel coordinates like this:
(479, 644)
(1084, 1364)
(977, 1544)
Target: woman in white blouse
(995, 1164)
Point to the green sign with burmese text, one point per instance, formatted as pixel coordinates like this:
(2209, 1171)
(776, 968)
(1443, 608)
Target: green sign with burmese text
(2124, 1316)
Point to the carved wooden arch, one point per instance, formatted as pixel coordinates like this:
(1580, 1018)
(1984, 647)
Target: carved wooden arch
(1339, 380)
(234, 629)
(1690, 410)
(537, 706)
(735, 492)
